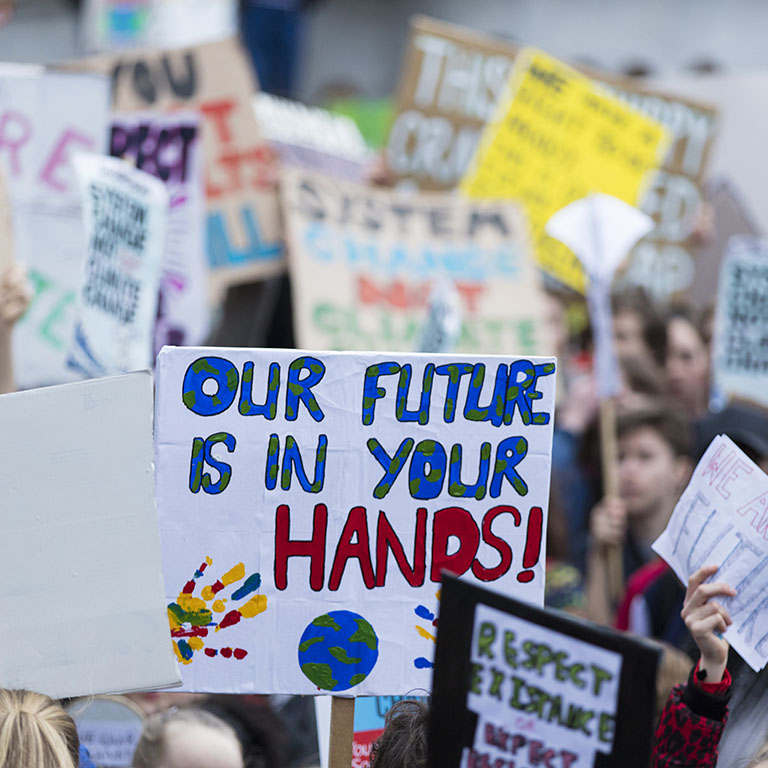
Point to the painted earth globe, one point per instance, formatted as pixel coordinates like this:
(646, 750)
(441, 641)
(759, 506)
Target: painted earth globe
(338, 650)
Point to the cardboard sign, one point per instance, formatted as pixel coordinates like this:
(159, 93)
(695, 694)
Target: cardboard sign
(314, 138)
(722, 519)
(310, 501)
(40, 132)
(520, 686)
(243, 228)
(125, 216)
(364, 263)
(740, 358)
(552, 119)
(451, 82)
(169, 148)
(84, 613)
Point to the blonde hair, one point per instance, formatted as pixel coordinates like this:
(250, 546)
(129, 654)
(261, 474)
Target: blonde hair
(36, 732)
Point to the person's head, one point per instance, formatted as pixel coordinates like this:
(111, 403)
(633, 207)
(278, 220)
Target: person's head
(187, 738)
(404, 741)
(686, 363)
(35, 731)
(654, 464)
(641, 384)
(556, 320)
(638, 328)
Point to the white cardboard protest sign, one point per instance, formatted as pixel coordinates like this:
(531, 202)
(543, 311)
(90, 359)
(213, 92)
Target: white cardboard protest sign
(169, 147)
(585, 678)
(45, 119)
(82, 606)
(125, 213)
(722, 519)
(310, 501)
(741, 333)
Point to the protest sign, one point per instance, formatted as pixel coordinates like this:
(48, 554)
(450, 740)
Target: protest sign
(168, 147)
(84, 613)
(310, 137)
(302, 555)
(740, 354)
(557, 136)
(451, 82)
(516, 685)
(364, 261)
(722, 519)
(125, 215)
(243, 229)
(109, 727)
(39, 134)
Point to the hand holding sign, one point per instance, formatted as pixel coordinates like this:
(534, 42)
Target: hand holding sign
(707, 621)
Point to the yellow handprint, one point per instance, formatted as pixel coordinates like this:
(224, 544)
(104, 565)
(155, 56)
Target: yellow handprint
(191, 618)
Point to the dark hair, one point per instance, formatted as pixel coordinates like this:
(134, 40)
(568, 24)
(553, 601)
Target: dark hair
(404, 741)
(670, 424)
(654, 326)
(641, 377)
(696, 320)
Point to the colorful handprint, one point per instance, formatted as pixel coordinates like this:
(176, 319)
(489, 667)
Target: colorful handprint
(192, 618)
(424, 613)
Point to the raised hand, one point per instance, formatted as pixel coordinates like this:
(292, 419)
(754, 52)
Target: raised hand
(707, 620)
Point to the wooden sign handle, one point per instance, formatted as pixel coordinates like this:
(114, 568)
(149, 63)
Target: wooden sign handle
(342, 732)
(608, 454)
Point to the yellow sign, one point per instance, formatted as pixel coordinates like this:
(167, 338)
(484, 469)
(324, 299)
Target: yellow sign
(556, 137)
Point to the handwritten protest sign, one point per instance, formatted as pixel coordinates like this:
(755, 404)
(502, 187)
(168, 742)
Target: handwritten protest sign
(310, 137)
(84, 612)
(452, 78)
(168, 147)
(524, 686)
(451, 82)
(125, 215)
(741, 332)
(556, 137)
(310, 501)
(722, 519)
(243, 228)
(364, 261)
(40, 132)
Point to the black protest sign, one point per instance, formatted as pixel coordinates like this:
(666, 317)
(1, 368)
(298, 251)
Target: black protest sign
(517, 686)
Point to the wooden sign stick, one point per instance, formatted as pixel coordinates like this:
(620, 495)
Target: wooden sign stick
(608, 453)
(342, 732)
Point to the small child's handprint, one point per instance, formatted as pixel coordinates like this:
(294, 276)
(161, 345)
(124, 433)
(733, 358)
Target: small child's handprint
(192, 618)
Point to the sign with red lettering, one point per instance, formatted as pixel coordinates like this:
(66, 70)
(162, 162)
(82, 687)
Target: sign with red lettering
(517, 685)
(364, 263)
(40, 133)
(722, 519)
(310, 502)
(243, 228)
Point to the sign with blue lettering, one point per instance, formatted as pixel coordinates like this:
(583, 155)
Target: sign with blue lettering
(310, 502)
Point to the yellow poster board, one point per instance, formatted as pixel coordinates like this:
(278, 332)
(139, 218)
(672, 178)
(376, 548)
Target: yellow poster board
(556, 137)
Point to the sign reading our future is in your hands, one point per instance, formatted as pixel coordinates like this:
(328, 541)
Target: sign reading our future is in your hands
(309, 503)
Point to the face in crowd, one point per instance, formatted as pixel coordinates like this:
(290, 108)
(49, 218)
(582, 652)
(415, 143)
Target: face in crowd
(687, 365)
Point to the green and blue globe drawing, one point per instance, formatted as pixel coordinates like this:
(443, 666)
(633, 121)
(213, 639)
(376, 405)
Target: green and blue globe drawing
(338, 650)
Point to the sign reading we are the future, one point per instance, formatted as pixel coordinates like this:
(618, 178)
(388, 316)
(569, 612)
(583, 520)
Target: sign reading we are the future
(309, 503)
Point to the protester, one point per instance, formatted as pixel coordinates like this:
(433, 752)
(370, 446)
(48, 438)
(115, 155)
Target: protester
(654, 465)
(187, 738)
(687, 364)
(638, 327)
(404, 741)
(35, 732)
(695, 715)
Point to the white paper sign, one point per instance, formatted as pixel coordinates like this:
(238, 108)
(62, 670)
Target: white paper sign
(45, 119)
(110, 743)
(82, 604)
(126, 217)
(722, 519)
(741, 322)
(542, 697)
(169, 148)
(309, 502)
